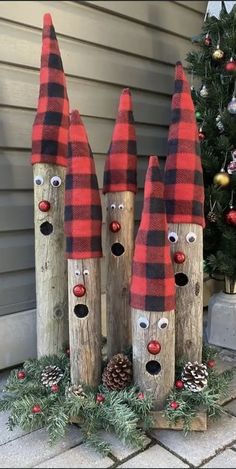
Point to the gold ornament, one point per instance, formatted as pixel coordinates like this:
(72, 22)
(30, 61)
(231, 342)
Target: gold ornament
(221, 179)
(218, 54)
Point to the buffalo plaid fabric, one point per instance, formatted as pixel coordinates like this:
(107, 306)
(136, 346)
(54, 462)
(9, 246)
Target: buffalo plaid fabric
(50, 128)
(184, 191)
(152, 283)
(120, 172)
(83, 213)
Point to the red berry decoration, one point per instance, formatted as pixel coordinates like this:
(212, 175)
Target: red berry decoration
(115, 226)
(37, 409)
(207, 40)
(179, 257)
(211, 363)
(174, 405)
(179, 384)
(231, 65)
(21, 375)
(201, 136)
(79, 290)
(141, 395)
(44, 206)
(230, 217)
(154, 347)
(55, 388)
(100, 398)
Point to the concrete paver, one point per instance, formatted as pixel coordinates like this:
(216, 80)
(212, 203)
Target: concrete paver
(231, 407)
(154, 457)
(225, 459)
(5, 434)
(81, 456)
(119, 449)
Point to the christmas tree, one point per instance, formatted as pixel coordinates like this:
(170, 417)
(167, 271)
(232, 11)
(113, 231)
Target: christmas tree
(212, 67)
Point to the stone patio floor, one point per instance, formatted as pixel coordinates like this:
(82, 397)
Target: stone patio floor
(215, 448)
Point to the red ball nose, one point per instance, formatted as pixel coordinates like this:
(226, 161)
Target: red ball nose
(79, 290)
(179, 257)
(115, 226)
(154, 347)
(44, 205)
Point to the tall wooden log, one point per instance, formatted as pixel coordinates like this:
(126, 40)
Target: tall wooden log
(85, 320)
(50, 263)
(119, 250)
(154, 374)
(189, 290)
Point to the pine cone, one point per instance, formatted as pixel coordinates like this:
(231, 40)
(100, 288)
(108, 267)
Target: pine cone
(76, 391)
(51, 375)
(194, 376)
(118, 373)
(212, 217)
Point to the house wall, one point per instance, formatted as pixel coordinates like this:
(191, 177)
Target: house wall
(105, 46)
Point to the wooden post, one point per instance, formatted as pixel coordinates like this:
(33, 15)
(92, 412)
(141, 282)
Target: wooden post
(50, 264)
(154, 374)
(189, 296)
(119, 250)
(85, 321)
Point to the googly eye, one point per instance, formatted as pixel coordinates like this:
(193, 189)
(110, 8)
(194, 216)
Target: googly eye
(121, 206)
(163, 323)
(77, 273)
(113, 206)
(172, 237)
(38, 180)
(143, 323)
(191, 237)
(55, 181)
(86, 272)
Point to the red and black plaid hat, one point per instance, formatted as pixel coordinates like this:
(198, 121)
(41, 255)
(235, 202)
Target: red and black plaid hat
(152, 283)
(184, 189)
(50, 128)
(120, 172)
(83, 212)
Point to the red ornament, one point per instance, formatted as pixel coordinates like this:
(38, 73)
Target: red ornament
(174, 405)
(37, 409)
(141, 395)
(231, 65)
(100, 398)
(211, 363)
(115, 226)
(55, 388)
(207, 40)
(179, 257)
(44, 206)
(230, 217)
(79, 290)
(179, 384)
(201, 135)
(21, 375)
(154, 347)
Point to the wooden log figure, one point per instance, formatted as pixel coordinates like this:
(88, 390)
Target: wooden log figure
(83, 223)
(49, 159)
(120, 187)
(153, 295)
(184, 196)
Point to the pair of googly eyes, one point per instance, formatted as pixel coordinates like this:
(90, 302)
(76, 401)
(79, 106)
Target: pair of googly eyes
(55, 181)
(84, 272)
(190, 237)
(144, 323)
(120, 206)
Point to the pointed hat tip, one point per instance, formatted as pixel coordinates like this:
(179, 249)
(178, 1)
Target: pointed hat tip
(126, 91)
(75, 117)
(153, 160)
(125, 103)
(47, 19)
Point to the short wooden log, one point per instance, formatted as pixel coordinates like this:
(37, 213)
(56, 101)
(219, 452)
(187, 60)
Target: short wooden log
(198, 423)
(50, 263)
(85, 321)
(120, 208)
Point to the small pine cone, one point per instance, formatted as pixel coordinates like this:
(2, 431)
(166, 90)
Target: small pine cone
(76, 391)
(194, 376)
(51, 375)
(118, 373)
(212, 217)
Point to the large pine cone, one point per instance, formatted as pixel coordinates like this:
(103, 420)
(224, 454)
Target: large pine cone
(118, 373)
(50, 375)
(194, 376)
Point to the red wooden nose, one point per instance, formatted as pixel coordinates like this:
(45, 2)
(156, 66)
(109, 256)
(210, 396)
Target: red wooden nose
(179, 257)
(115, 226)
(44, 205)
(79, 290)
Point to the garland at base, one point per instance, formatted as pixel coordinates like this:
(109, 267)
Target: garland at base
(41, 395)
(197, 392)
